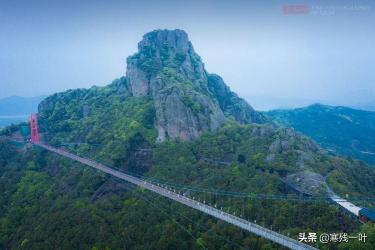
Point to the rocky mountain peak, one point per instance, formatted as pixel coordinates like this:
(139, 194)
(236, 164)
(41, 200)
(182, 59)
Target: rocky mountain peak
(188, 100)
(161, 51)
(176, 40)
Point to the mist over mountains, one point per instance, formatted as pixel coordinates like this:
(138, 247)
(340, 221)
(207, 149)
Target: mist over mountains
(17, 109)
(16, 105)
(269, 102)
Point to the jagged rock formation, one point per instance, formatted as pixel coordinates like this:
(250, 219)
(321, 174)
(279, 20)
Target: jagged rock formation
(168, 73)
(187, 99)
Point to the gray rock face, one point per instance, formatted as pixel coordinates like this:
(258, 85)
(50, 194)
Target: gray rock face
(308, 182)
(178, 118)
(231, 104)
(261, 131)
(163, 49)
(136, 78)
(187, 99)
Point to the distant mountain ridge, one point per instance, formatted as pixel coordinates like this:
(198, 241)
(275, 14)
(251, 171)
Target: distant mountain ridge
(344, 130)
(15, 109)
(368, 107)
(16, 105)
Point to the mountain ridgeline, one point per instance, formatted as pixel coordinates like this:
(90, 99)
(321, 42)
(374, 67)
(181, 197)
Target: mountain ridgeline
(342, 130)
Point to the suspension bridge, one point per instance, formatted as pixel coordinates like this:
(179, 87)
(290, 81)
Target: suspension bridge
(229, 218)
(169, 191)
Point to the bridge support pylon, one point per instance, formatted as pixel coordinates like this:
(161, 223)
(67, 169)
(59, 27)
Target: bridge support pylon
(34, 135)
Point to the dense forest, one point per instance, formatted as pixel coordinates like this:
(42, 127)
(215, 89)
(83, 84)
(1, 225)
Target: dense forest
(50, 202)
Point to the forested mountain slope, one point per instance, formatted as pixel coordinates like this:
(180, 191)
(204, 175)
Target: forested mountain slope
(343, 130)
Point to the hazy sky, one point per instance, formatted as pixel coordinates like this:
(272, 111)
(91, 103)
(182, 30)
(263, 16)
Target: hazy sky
(326, 54)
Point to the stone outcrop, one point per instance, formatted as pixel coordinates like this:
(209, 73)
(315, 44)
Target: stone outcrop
(188, 100)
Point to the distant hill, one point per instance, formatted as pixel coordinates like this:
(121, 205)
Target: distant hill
(270, 102)
(369, 107)
(16, 109)
(344, 130)
(16, 105)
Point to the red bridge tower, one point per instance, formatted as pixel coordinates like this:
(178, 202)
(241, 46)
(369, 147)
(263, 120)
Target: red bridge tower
(34, 136)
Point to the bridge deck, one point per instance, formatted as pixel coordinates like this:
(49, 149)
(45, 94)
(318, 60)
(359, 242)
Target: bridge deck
(246, 225)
